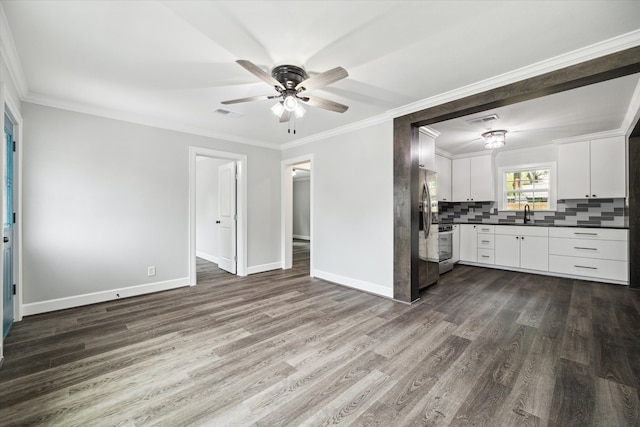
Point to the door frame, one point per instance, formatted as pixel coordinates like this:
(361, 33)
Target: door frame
(286, 216)
(241, 224)
(8, 106)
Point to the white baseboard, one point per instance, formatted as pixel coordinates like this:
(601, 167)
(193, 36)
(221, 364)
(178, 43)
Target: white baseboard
(361, 285)
(102, 296)
(210, 258)
(264, 267)
(301, 237)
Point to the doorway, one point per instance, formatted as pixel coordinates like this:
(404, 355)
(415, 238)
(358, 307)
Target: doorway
(301, 215)
(297, 213)
(217, 227)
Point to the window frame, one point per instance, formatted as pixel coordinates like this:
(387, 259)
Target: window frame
(553, 179)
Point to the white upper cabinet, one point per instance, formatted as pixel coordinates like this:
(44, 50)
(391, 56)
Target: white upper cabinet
(608, 167)
(460, 180)
(443, 169)
(472, 179)
(592, 169)
(427, 148)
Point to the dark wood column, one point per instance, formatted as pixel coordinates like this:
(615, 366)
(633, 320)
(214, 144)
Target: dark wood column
(405, 214)
(405, 166)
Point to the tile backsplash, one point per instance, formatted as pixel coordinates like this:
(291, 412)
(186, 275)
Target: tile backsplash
(583, 212)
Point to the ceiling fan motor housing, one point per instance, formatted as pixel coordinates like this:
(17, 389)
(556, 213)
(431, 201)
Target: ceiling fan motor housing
(289, 75)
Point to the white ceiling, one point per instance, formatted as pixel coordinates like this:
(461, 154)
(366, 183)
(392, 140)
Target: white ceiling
(171, 63)
(587, 110)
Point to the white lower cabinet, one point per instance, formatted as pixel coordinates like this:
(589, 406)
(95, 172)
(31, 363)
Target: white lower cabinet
(522, 247)
(469, 242)
(486, 242)
(594, 253)
(599, 254)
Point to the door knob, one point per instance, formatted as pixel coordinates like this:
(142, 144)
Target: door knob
(217, 222)
(6, 240)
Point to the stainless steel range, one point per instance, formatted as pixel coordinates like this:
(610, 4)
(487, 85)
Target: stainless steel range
(445, 247)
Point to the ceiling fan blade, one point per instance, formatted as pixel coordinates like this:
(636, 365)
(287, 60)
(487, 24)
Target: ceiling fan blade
(285, 117)
(314, 101)
(256, 71)
(251, 98)
(322, 79)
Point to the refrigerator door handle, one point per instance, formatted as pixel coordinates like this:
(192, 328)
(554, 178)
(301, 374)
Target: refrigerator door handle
(426, 210)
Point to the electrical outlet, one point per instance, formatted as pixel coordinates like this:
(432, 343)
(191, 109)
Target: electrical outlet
(151, 270)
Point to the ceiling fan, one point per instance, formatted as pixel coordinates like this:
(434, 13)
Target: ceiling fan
(290, 82)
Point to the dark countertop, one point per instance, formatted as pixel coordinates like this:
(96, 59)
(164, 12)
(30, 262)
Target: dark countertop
(539, 225)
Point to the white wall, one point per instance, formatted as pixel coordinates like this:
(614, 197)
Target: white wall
(353, 207)
(104, 199)
(301, 208)
(207, 245)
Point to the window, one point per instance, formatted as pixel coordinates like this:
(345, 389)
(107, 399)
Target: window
(529, 185)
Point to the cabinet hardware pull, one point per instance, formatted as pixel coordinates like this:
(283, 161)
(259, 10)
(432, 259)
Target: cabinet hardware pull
(584, 266)
(587, 249)
(484, 256)
(485, 241)
(586, 234)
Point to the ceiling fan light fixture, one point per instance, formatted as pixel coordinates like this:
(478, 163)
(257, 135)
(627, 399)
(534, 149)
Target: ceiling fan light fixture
(494, 139)
(278, 109)
(290, 103)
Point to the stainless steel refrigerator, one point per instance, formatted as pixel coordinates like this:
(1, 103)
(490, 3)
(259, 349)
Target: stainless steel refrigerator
(428, 251)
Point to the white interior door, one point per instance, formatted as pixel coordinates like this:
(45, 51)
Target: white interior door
(227, 217)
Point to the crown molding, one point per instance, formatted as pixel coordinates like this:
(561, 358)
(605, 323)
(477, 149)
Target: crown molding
(443, 153)
(143, 120)
(589, 136)
(337, 131)
(475, 154)
(10, 56)
(526, 149)
(426, 130)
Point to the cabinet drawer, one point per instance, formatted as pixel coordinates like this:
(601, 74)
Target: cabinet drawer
(593, 268)
(589, 233)
(485, 241)
(586, 248)
(486, 256)
(485, 229)
(522, 230)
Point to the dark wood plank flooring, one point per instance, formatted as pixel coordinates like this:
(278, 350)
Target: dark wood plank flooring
(482, 347)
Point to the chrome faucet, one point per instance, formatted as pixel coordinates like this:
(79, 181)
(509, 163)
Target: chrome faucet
(527, 212)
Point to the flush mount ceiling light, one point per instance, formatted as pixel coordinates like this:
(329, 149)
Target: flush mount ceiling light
(494, 139)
